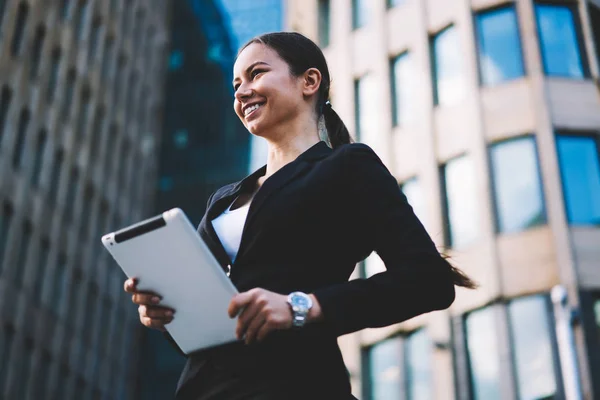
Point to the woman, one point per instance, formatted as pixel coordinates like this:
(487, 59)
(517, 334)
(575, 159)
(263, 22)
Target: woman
(293, 232)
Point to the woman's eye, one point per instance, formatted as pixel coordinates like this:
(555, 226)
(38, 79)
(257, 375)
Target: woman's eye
(256, 72)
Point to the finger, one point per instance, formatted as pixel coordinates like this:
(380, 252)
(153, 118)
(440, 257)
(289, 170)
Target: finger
(255, 325)
(130, 284)
(246, 317)
(145, 298)
(153, 323)
(264, 330)
(240, 301)
(158, 312)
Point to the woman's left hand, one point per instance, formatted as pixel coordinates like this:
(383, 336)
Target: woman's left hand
(261, 312)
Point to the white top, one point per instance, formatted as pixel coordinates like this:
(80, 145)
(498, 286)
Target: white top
(229, 227)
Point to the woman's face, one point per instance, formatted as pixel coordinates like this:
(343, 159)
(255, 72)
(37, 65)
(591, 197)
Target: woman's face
(266, 94)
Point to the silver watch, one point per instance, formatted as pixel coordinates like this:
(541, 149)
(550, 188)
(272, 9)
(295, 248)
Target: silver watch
(300, 303)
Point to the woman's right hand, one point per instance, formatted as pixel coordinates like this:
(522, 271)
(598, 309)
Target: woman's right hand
(151, 313)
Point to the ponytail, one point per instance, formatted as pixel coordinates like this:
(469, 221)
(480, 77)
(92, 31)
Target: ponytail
(336, 129)
(459, 278)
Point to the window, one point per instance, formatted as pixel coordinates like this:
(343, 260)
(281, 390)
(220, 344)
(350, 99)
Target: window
(80, 14)
(419, 375)
(5, 223)
(402, 80)
(24, 370)
(17, 39)
(17, 156)
(517, 185)
(366, 112)
(580, 172)
(39, 277)
(533, 349)
(85, 213)
(40, 148)
(413, 191)
(36, 51)
(449, 82)
(324, 22)
(559, 40)
(94, 37)
(55, 178)
(83, 114)
(21, 264)
(107, 58)
(483, 357)
(90, 311)
(53, 75)
(59, 285)
(97, 127)
(385, 370)
(394, 3)
(360, 13)
(68, 97)
(7, 339)
(500, 56)
(460, 192)
(5, 99)
(41, 382)
(64, 8)
(597, 315)
(2, 10)
(71, 194)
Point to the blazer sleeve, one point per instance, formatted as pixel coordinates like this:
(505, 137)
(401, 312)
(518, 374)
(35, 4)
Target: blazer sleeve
(417, 278)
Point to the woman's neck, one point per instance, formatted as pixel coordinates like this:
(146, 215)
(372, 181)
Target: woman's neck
(284, 151)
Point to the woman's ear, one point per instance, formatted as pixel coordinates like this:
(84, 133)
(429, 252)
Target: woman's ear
(311, 81)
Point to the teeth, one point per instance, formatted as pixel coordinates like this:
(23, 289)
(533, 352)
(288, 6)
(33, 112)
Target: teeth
(250, 109)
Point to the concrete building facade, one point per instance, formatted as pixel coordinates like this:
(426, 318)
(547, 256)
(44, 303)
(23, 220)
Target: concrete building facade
(81, 85)
(488, 114)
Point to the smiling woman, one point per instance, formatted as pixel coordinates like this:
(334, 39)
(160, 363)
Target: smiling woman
(291, 235)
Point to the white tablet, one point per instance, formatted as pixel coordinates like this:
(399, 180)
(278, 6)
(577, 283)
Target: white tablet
(170, 258)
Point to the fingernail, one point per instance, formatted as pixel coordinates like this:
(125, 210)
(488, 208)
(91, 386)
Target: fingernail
(155, 299)
(169, 313)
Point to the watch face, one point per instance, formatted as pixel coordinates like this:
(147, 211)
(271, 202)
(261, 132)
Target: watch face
(301, 302)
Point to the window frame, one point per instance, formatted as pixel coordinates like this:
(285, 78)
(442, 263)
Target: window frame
(432, 61)
(578, 28)
(393, 80)
(494, 191)
(478, 42)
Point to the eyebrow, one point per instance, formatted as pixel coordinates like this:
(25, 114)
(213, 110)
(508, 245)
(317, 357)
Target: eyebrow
(250, 69)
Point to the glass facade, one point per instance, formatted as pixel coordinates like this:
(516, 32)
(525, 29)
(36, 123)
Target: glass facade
(517, 185)
(483, 354)
(414, 194)
(385, 370)
(499, 45)
(403, 89)
(460, 193)
(559, 40)
(532, 344)
(580, 172)
(448, 73)
(324, 22)
(366, 113)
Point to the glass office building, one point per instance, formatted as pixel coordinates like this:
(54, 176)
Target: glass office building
(488, 114)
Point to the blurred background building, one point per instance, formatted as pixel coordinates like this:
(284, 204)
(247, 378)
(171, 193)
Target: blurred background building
(81, 99)
(488, 114)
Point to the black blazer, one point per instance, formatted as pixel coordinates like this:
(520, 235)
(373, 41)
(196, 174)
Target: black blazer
(307, 227)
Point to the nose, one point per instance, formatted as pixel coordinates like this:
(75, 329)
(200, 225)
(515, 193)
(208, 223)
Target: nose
(243, 92)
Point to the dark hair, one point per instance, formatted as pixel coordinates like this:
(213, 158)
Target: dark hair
(300, 53)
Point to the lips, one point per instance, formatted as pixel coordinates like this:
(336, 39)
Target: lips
(251, 108)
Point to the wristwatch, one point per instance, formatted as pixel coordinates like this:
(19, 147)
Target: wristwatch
(300, 303)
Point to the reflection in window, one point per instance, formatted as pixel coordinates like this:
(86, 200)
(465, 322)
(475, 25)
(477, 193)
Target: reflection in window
(53, 75)
(40, 148)
(385, 371)
(597, 314)
(7, 339)
(483, 355)
(517, 185)
(580, 172)
(594, 11)
(419, 380)
(461, 211)
(38, 279)
(403, 92)
(500, 57)
(360, 13)
(36, 51)
(19, 149)
(449, 82)
(560, 46)
(55, 177)
(324, 22)
(5, 99)
(5, 223)
(530, 329)
(394, 3)
(414, 194)
(21, 263)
